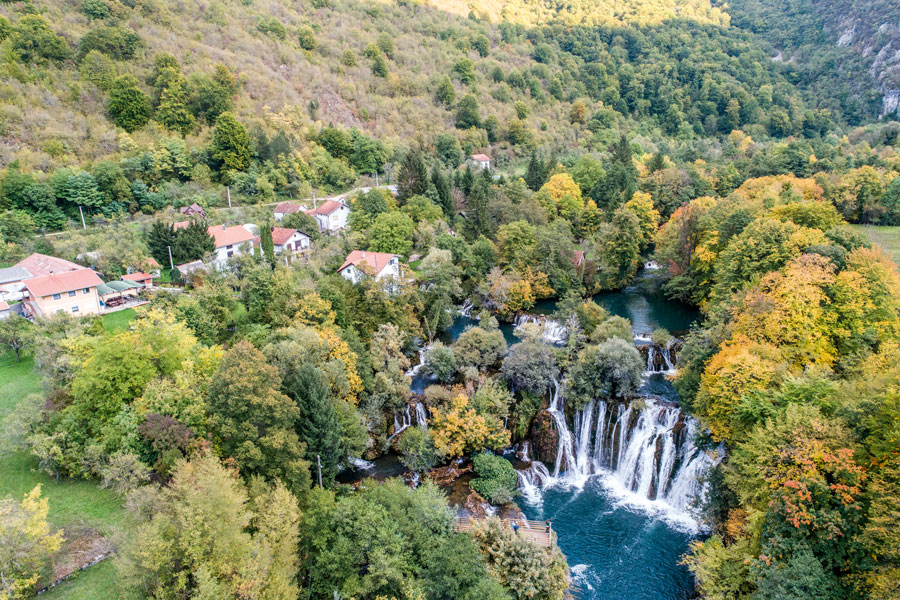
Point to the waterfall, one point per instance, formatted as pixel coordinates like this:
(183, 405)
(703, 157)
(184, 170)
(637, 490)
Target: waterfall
(661, 359)
(644, 448)
(552, 331)
(466, 309)
(532, 479)
(421, 416)
(401, 423)
(651, 265)
(565, 451)
(414, 370)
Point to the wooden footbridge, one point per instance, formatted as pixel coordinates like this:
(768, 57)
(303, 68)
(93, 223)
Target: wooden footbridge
(538, 532)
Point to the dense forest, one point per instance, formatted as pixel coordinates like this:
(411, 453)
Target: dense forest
(731, 150)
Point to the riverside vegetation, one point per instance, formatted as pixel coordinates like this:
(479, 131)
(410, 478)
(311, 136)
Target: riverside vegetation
(664, 132)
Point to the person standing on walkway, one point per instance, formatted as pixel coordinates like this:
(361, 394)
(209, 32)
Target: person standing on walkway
(515, 526)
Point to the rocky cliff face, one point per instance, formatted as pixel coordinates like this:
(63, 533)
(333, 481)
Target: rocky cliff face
(856, 42)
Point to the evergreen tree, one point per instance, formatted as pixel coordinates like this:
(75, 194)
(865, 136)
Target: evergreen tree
(160, 237)
(266, 243)
(231, 143)
(442, 188)
(467, 180)
(413, 177)
(192, 243)
(537, 173)
(318, 426)
(467, 113)
(128, 106)
(477, 202)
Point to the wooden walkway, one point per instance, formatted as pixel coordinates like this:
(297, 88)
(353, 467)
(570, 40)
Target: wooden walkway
(536, 531)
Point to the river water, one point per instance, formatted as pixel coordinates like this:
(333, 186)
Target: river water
(620, 544)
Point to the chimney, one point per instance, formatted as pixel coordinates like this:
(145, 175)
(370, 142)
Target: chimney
(363, 254)
(224, 227)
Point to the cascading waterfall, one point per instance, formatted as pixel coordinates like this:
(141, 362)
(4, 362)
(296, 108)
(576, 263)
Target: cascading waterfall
(661, 359)
(644, 447)
(552, 331)
(421, 416)
(402, 421)
(565, 452)
(423, 354)
(466, 309)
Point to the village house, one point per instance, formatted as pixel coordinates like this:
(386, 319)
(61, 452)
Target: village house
(331, 215)
(283, 209)
(361, 263)
(5, 311)
(289, 240)
(188, 268)
(194, 210)
(12, 279)
(70, 292)
(480, 162)
(229, 241)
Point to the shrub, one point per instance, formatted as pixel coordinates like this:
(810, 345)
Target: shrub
(496, 480)
(116, 42)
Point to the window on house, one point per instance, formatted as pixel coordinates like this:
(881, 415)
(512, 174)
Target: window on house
(72, 293)
(86, 291)
(228, 247)
(230, 254)
(75, 309)
(56, 296)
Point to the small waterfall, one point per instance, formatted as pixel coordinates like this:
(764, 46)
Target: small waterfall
(640, 336)
(565, 450)
(661, 359)
(402, 421)
(651, 265)
(552, 331)
(421, 415)
(423, 354)
(466, 309)
(532, 479)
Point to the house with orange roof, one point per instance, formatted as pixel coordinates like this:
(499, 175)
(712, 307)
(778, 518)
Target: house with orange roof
(362, 263)
(480, 161)
(231, 241)
(331, 215)
(285, 239)
(71, 292)
(283, 209)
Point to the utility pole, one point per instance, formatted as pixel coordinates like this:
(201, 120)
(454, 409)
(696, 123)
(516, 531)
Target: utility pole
(228, 193)
(376, 178)
(81, 210)
(319, 464)
(171, 263)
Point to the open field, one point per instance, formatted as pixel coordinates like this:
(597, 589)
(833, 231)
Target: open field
(73, 503)
(118, 321)
(886, 237)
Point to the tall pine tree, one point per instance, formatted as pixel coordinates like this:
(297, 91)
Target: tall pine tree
(537, 173)
(413, 177)
(266, 243)
(318, 426)
(159, 238)
(442, 187)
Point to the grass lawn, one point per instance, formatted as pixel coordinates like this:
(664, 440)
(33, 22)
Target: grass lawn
(886, 237)
(118, 321)
(72, 502)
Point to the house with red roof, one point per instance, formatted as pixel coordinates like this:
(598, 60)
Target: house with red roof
(331, 215)
(231, 241)
(71, 292)
(289, 240)
(362, 263)
(480, 162)
(283, 209)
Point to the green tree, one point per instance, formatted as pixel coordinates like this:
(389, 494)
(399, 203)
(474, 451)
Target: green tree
(479, 347)
(253, 422)
(230, 146)
(266, 243)
(531, 367)
(307, 38)
(445, 92)
(440, 362)
(129, 107)
(467, 112)
(613, 369)
(26, 544)
(221, 540)
(34, 42)
(317, 426)
(192, 243)
(16, 333)
(412, 179)
(392, 232)
(173, 112)
(417, 451)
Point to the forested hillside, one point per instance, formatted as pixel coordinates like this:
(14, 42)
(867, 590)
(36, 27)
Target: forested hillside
(850, 45)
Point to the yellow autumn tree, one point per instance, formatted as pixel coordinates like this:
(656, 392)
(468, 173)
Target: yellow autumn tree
(560, 196)
(460, 430)
(26, 544)
(739, 368)
(641, 204)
